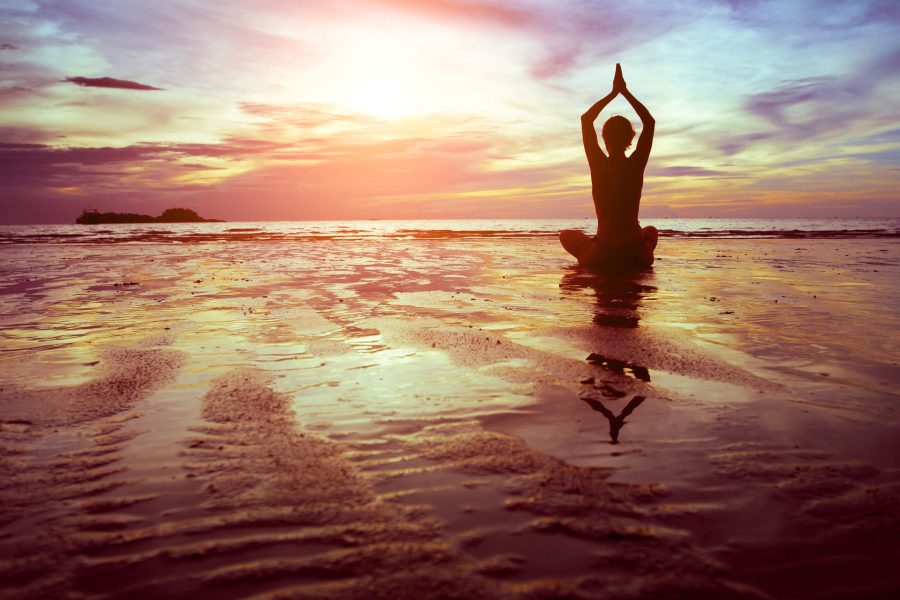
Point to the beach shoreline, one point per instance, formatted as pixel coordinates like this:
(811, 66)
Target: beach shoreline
(333, 419)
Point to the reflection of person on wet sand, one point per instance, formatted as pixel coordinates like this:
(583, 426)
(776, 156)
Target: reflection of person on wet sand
(616, 422)
(619, 294)
(616, 182)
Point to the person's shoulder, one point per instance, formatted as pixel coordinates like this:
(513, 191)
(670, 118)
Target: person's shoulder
(639, 158)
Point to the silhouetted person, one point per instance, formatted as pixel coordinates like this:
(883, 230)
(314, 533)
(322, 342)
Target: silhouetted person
(616, 182)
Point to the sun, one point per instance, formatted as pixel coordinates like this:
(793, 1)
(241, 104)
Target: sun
(381, 95)
(376, 74)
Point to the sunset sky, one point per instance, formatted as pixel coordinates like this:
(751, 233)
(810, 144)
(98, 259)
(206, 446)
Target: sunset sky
(311, 109)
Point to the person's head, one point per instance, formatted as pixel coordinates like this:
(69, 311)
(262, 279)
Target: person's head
(617, 133)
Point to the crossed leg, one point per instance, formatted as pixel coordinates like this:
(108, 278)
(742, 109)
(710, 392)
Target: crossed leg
(651, 238)
(578, 244)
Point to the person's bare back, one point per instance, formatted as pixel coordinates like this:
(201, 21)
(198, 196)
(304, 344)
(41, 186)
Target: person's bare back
(616, 183)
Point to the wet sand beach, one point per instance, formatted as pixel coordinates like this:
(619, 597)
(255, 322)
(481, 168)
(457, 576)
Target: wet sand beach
(449, 417)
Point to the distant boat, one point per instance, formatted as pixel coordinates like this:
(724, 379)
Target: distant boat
(91, 216)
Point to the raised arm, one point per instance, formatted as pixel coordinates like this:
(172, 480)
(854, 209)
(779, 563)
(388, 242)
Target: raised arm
(645, 142)
(588, 133)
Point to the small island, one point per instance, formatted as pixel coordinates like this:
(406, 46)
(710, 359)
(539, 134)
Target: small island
(170, 215)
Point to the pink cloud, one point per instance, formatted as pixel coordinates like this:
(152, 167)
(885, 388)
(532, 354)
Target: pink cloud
(566, 34)
(482, 12)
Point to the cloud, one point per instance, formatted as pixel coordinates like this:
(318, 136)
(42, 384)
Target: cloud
(814, 15)
(27, 158)
(686, 171)
(29, 162)
(15, 92)
(891, 136)
(567, 34)
(14, 134)
(824, 100)
(37, 166)
(488, 12)
(6, 46)
(283, 117)
(398, 171)
(109, 82)
(882, 10)
(820, 108)
(825, 97)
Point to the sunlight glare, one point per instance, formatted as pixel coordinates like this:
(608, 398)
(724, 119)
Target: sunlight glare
(379, 95)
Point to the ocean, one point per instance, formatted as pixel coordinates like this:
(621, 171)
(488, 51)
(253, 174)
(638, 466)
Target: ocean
(435, 229)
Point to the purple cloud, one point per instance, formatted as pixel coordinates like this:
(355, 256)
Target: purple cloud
(819, 94)
(6, 46)
(13, 134)
(110, 82)
(21, 160)
(817, 107)
(882, 10)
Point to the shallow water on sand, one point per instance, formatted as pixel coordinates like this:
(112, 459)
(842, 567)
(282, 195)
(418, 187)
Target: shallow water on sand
(436, 229)
(334, 418)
